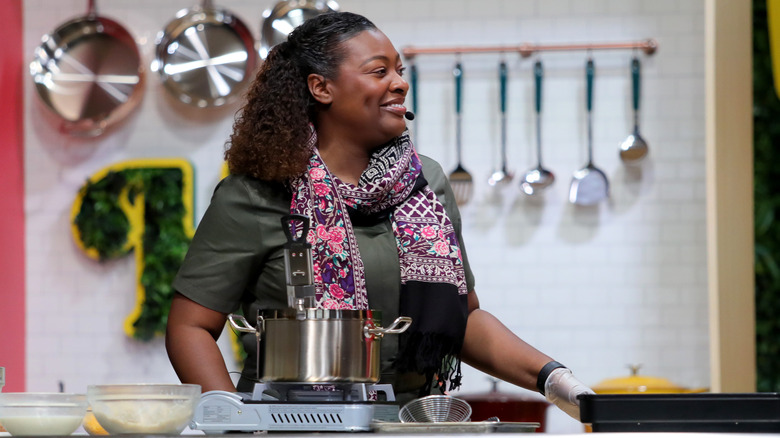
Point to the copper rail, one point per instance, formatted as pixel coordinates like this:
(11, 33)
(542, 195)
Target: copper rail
(648, 46)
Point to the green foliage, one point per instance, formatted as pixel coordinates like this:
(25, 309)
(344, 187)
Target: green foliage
(766, 107)
(101, 223)
(103, 226)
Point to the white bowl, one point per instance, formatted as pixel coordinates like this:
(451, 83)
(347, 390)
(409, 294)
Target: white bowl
(41, 414)
(143, 408)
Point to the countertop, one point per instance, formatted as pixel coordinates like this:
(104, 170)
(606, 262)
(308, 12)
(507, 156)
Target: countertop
(80, 432)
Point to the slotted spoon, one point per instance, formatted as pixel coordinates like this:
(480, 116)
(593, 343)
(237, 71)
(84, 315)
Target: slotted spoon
(460, 179)
(589, 185)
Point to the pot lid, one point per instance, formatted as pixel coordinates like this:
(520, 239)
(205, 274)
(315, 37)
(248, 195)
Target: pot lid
(635, 383)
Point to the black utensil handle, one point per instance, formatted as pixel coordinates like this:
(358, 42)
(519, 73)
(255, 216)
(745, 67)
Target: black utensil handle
(635, 67)
(502, 77)
(457, 72)
(538, 72)
(590, 72)
(289, 221)
(413, 74)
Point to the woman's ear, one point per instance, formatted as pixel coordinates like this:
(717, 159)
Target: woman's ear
(318, 87)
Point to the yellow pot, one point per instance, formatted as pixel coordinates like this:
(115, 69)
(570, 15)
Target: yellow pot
(636, 384)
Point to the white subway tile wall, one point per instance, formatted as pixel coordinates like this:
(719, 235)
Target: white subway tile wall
(597, 288)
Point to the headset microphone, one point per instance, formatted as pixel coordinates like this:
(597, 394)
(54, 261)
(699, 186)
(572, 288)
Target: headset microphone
(409, 115)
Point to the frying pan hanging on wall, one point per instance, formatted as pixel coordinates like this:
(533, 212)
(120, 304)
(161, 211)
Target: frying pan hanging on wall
(285, 16)
(88, 72)
(205, 56)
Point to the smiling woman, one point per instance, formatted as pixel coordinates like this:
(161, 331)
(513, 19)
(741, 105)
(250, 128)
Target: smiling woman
(323, 136)
(365, 101)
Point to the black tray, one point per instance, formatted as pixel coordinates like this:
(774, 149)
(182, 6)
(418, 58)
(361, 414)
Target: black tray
(749, 412)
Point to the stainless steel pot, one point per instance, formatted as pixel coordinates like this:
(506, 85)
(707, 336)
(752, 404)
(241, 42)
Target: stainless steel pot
(285, 16)
(319, 345)
(206, 56)
(88, 73)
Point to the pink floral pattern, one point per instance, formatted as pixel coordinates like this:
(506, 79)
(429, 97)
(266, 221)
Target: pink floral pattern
(321, 189)
(428, 232)
(336, 291)
(441, 248)
(427, 244)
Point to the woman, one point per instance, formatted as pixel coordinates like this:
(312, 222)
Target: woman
(323, 134)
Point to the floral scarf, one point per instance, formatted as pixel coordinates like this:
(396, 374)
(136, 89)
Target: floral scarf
(433, 282)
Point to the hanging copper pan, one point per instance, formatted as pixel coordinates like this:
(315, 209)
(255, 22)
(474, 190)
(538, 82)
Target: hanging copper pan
(88, 72)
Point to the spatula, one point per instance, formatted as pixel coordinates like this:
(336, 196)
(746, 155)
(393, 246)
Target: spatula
(460, 179)
(589, 185)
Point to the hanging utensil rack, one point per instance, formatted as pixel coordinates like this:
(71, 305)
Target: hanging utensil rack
(648, 46)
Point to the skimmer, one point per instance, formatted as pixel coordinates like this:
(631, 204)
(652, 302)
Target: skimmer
(460, 179)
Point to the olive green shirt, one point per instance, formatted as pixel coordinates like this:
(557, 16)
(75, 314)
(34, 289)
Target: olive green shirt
(236, 259)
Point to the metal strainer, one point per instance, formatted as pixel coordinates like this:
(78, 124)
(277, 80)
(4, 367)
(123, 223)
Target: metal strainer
(435, 409)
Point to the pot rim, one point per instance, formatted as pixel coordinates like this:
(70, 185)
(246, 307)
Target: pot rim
(316, 313)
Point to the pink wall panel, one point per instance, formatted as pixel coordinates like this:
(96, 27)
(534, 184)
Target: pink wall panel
(12, 290)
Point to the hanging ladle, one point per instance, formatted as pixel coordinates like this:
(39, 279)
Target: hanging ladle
(634, 147)
(502, 175)
(538, 178)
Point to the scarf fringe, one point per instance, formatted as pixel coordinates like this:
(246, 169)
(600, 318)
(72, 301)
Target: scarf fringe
(432, 354)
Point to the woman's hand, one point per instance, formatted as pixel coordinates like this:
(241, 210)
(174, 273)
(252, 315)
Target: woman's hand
(562, 389)
(191, 341)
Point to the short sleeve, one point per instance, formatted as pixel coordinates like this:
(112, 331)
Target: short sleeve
(228, 247)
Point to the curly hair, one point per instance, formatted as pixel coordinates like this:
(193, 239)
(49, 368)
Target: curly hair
(271, 129)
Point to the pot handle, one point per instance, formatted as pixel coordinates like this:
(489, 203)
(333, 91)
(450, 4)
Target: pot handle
(240, 323)
(398, 326)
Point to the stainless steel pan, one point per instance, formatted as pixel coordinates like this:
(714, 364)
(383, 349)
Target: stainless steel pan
(285, 16)
(88, 72)
(205, 56)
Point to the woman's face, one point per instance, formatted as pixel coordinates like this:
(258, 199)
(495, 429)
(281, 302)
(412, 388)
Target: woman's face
(367, 95)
